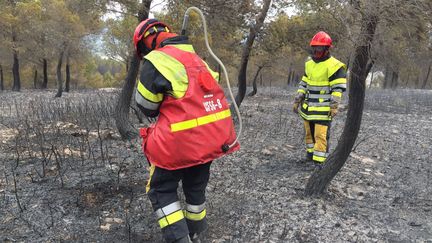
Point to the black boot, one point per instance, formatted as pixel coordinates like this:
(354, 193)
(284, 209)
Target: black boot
(318, 166)
(185, 239)
(309, 157)
(199, 237)
(195, 238)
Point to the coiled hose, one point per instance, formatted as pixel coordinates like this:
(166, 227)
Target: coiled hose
(183, 32)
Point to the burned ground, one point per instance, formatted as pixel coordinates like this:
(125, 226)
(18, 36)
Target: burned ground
(67, 175)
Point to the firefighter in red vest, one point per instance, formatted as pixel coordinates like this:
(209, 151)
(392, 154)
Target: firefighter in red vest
(194, 127)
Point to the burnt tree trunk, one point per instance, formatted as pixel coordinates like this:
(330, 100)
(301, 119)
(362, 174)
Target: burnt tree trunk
(254, 83)
(320, 179)
(288, 77)
(121, 115)
(289, 74)
(394, 79)
(427, 76)
(1, 78)
(45, 74)
(35, 79)
(67, 84)
(247, 50)
(59, 76)
(15, 68)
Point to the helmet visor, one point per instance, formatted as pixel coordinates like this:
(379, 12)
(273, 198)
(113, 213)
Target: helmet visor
(319, 48)
(318, 51)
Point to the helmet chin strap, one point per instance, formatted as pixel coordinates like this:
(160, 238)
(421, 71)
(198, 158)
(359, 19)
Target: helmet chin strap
(154, 41)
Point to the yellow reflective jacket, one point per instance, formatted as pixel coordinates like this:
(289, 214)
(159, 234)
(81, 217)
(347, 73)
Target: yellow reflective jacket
(322, 83)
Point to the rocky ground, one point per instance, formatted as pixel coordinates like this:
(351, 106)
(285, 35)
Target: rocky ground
(67, 176)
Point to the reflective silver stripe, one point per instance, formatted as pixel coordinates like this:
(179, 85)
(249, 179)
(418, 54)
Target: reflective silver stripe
(342, 86)
(302, 88)
(195, 208)
(320, 154)
(167, 210)
(145, 103)
(319, 88)
(303, 83)
(319, 96)
(337, 90)
(315, 104)
(309, 145)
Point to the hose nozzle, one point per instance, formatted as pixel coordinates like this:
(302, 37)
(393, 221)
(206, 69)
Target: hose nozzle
(225, 148)
(185, 23)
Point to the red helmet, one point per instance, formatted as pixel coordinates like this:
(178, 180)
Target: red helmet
(321, 39)
(147, 28)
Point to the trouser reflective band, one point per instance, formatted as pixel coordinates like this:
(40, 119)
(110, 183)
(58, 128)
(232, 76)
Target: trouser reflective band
(310, 147)
(195, 212)
(169, 214)
(319, 157)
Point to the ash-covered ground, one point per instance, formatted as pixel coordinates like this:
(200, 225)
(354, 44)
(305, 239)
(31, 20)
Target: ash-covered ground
(66, 176)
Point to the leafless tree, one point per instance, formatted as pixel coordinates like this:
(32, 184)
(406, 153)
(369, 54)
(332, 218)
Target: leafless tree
(127, 131)
(59, 75)
(247, 48)
(67, 84)
(320, 179)
(254, 82)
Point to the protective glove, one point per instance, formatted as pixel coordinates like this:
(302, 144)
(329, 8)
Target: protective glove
(297, 100)
(333, 112)
(295, 107)
(334, 109)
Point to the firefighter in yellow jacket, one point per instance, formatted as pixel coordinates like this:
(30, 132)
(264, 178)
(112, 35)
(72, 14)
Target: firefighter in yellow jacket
(319, 95)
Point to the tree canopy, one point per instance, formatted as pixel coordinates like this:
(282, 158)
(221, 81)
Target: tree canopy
(33, 33)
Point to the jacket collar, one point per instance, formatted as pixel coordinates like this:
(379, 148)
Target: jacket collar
(181, 39)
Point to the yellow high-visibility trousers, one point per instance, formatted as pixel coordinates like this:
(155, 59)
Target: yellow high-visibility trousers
(316, 137)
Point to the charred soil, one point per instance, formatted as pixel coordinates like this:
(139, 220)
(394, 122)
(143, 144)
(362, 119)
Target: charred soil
(67, 176)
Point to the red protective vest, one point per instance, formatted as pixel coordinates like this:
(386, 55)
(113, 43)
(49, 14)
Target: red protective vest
(190, 130)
